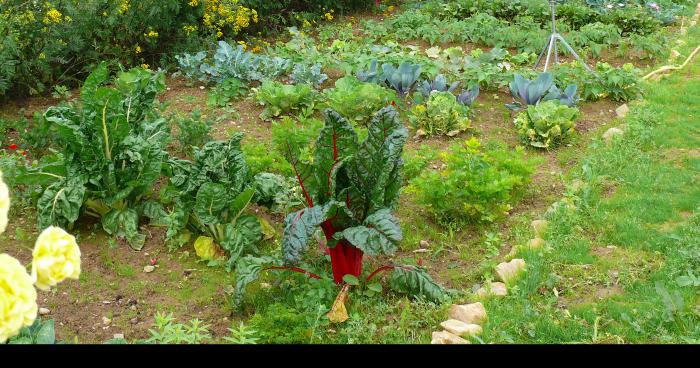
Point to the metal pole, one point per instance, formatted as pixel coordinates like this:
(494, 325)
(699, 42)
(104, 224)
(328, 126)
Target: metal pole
(551, 47)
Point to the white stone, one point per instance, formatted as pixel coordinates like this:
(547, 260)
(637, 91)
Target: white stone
(611, 133)
(44, 311)
(509, 271)
(539, 227)
(447, 338)
(460, 328)
(535, 243)
(494, 289)
(119, 336)
(424, 244)
(106, 321)
(149, 269)
(622, 111)
(473, 313)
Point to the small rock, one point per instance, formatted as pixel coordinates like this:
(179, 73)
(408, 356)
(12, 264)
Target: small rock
(424, 244)
(473, 313)
(44, 311)
(539, 227)
(106, 321)
(495, 289)
(622, 111)
(133, 307)
(612, 133)
(134, 320)
(149, 269)
(119, 336)
(422, 250)
(535, 243)
(460, 328)
(447, 338)
(508, 271)
(201, 87)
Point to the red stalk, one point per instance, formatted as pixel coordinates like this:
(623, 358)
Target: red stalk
(380, 269)
(295, 269)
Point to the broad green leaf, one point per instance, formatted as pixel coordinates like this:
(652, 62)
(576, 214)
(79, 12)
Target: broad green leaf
(124, 223)
(301, 225)
(247, 270)
(415, 281)
(211, 200)
(60, 204)
(379, 234)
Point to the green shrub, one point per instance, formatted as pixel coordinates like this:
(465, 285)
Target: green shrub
(547, 124)
(226, 91)
(442, 114)
(193, 131)
(619, 84)
(481, 185)
(357, 101)
(280, 324)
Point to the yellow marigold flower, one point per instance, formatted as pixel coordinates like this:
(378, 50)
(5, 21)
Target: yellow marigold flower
(137, 49)
(219, 34)
(18, 306)
(151, 33)
(189, 29)
(145, 66)
(329, 16)
(194, 3)
(124, 6)
(56, 257)
(4, 204)
(256, 48)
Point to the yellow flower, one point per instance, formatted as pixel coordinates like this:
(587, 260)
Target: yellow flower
(329, 16)
(145, 66)
(151, 33)
(4, 204)
(53, 15)
(42, 56)
(56, 257)
(138, 49)
(18, 306)
(194, 3)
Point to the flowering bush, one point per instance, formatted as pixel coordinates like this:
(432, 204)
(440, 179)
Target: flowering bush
(56, 257)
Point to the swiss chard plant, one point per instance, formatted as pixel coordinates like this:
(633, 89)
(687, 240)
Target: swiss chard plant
(547, 124)
(112, 149)
(209, 197)
(350, 189)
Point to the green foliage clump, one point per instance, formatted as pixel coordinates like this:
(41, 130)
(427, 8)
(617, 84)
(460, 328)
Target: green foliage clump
(442, 114)
(166, 331)
(280, 324)
(619, 84)
(193, 131)
(226, 91)
(281, 99)
(481, 184)
(547, 124)
(357, 101)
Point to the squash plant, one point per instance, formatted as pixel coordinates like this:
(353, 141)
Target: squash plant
(112, 150)
(350, 190)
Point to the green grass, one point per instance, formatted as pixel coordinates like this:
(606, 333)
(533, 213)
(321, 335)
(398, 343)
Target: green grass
(615, 260)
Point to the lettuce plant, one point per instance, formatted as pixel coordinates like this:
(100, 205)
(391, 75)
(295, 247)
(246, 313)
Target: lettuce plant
(281, 99)
(209, 196)
(112, 149)
(547, 124)
(357, 101)
(442, 114)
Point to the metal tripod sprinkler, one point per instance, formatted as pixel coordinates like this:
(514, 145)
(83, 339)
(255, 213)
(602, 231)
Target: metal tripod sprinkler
(550, 49)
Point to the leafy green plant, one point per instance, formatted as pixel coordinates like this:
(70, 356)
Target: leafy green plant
(357, 101)
(40, 332)
(308, 74)
(468, 96)
(403, 78)
(546, 124)
(242, 335)
(439, 84)
(224, 92)
(210, 195)
(166, 331)
(349, 188)
(442, 114)
(112, 152)
(618, 84)
(193, 131)
(281, 98)
(481, 184)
